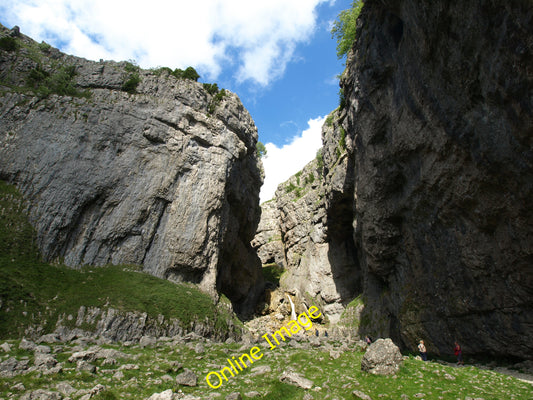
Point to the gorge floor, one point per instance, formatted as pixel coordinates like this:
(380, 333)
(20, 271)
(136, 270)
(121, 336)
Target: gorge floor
(85, 369)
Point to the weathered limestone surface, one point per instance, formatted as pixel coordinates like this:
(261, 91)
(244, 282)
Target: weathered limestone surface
(167, 177)
(267, 240)
(382, 357)
(425, 206)
(439, 99)
(316, 243)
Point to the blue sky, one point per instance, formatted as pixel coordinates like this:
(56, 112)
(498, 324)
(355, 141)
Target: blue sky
(277, 55)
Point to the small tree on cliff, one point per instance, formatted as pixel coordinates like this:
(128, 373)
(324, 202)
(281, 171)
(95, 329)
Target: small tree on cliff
(344, 28)
(261, 149)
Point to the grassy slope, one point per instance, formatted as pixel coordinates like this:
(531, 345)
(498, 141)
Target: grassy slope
(32, 291)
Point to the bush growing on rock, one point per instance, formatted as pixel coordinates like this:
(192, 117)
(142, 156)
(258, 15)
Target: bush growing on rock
(8, 43)
(344, 28)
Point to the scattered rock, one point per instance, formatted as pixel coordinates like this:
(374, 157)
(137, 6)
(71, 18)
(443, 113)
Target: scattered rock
(19, 387)
(41, 394)
(6, 347)
(234, 396)
(295, 379)
(12, 366)
(147, 341)
(383, 357)
(27, 345)
(199, 348)
(176, 366)
(49, 338)
(360, 395)
(86, 355)
(44, 361)
(187, 378)
(83, 365)
(262, 369)
(109, 361)
(119, 375)
(97, 390)
(252, 394)
(166, 395)
(334, 354)
(54, 370)
(42, 349)
(449, 377)
(129, 367)
(65, 388)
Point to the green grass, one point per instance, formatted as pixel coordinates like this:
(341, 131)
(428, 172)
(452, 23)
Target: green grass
(215, 101)
(332, 378)
(34, 292)
(272, 273)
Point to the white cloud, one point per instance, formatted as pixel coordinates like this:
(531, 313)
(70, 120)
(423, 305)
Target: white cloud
(256, 37)
(281, 163)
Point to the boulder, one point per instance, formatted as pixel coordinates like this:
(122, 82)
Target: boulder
(6, 347)
(382, 357)
(41, 394)
(44, 361)
(147, 341)
(165, 395)
(295, 379)
(65, 388)
(187, 378)
(361, 395)
(86, 366)
(27, 345)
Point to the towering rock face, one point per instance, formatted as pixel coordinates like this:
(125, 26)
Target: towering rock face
(267, 240)
(166, 177)
(439, 98)
(313, 211)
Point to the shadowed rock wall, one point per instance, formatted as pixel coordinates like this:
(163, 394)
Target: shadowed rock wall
(440, 109)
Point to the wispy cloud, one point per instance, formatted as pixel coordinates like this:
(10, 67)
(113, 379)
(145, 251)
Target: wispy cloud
(255, 38)
(281, 163)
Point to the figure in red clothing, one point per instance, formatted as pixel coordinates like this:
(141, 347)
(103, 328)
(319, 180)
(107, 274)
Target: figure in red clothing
(458, 353)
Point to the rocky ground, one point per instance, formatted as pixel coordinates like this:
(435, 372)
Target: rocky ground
(304, 367)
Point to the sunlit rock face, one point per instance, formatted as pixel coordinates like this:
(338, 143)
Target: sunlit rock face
(165, 176)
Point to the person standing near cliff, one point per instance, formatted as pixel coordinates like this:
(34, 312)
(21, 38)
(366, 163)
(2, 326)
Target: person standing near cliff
(458, 353)
(423, 351)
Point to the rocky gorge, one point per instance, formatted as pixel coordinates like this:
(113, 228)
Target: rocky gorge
(426, 183)
(413, 221)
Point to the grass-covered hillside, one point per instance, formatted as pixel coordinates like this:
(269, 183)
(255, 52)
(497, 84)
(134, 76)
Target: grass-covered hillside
(34, 293)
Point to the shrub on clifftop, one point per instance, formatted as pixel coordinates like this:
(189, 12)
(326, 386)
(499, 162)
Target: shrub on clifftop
(344, 28)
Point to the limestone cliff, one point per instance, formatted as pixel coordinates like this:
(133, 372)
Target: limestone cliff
(424, 208)
(267, 241)
(439, 100)
(316, 243)
(124, 165)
